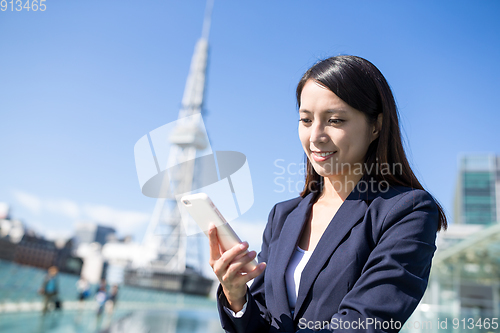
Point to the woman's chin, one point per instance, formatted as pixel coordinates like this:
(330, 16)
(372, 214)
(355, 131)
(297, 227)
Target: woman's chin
(325, 173)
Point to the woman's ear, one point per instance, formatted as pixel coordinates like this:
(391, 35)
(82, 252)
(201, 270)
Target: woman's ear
(377, 126)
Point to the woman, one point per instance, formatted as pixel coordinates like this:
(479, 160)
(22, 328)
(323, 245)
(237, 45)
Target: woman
(353, 252)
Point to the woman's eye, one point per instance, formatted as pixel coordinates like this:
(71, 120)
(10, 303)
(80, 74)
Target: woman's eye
(335, 121)
(304, 120)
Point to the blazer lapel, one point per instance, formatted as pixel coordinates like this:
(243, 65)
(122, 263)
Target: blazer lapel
(287, 242)
(350, 212)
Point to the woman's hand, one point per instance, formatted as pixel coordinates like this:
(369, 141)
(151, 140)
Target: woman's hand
(228, 266)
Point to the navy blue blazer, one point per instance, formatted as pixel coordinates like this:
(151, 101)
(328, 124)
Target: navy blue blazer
(371, 265)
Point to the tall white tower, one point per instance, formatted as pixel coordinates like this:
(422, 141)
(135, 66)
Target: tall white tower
(165, 236)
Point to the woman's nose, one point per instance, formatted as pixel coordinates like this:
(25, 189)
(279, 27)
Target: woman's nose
(318, 134)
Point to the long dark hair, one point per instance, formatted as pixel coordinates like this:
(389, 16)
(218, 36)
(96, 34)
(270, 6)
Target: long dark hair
(361, 85)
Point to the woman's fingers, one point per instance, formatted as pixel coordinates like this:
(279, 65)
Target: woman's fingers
(234, 281)
(229, 265)
(214, 244)
(237, 265)
(255, 272)
(243, 279)
(220, 265)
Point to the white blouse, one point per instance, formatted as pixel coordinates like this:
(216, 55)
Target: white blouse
(294, 272)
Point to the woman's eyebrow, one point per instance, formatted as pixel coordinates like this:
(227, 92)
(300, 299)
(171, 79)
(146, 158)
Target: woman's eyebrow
(337, 111)
(327, 111)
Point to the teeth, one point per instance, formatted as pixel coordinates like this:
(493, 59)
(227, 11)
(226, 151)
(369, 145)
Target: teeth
(324, 154)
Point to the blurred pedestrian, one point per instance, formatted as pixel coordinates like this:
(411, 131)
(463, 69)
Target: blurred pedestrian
(103, 286)
(111, 300)
(101, 296)
(50, 289)
(83, 288)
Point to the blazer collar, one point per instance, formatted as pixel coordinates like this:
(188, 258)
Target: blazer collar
(350, 212)
(289, 236)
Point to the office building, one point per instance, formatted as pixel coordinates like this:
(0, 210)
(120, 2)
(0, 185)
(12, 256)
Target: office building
(87, 232)
(477, 197)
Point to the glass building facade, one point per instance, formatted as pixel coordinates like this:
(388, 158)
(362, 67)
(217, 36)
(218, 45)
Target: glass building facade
(477, 198)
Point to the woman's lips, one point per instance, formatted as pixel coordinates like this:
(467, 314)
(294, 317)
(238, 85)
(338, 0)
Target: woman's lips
(321, 156)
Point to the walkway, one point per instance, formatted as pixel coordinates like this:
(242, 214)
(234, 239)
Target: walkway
(137, 311)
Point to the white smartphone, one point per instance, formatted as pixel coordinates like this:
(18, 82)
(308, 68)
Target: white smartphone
(203, 211)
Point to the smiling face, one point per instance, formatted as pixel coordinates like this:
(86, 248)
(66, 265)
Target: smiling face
(334, 135)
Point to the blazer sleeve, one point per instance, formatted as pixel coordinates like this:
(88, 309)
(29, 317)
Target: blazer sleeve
(256, 317)
(394, 278)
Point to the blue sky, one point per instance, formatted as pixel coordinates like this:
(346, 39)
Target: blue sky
(81, 82)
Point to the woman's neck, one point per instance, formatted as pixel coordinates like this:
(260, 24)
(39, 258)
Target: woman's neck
(338, 187)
